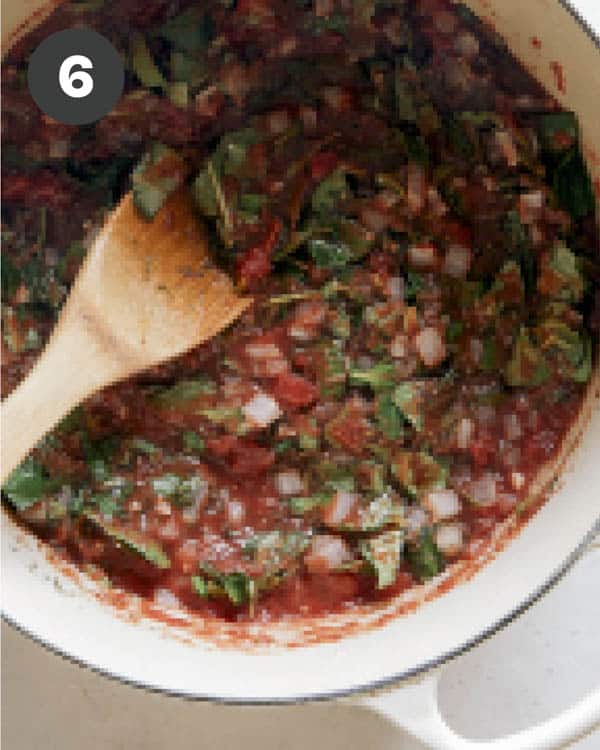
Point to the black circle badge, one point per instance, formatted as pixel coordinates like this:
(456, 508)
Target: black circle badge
(76, 76)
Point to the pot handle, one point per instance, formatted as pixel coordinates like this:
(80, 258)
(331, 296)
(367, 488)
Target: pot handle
(415, 709)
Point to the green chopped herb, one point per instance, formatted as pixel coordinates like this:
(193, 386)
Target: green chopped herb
(190, 31)
(238, 587)
(178, 93)
(406, 109)
(192, 442)
(560, 275)
(152, 182)
(380, 512)
(414, 284)
(137, 543)
(341, 324)
(187, 69)
(424, 558)
(454, 331)
(418, 472)
(181, 490)
(389, 417)
(573, 186)
(200, 585)
(140, 445)
(558, 130)
(384, 553)
(251, 203)
(334, 375)
(330, 192)
(274, 550)
(143, 64)
(527, 366)
(186, 390)
(408, 399)
(108, 505)
(567, 351)
(379, 377)
(301, 505)
(489, 358)
(329, 253)
(28, 484)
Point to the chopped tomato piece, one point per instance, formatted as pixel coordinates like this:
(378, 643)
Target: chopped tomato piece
(293, 391)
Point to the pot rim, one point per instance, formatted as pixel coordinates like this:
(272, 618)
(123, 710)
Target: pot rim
(385, 683)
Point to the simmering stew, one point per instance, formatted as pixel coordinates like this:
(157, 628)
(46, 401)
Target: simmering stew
(413, 217)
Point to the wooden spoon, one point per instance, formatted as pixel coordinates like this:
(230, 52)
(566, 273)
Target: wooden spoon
(146, 292)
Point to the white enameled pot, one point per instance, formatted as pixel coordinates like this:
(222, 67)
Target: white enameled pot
(362, 656)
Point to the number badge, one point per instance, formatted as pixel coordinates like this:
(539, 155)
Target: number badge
(76, 76)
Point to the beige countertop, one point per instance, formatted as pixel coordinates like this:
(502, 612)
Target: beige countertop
(538, 665)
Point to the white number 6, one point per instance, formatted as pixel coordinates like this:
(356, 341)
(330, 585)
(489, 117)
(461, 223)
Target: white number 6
(66, 77)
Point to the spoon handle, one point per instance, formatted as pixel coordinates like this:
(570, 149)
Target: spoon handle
(73, 365)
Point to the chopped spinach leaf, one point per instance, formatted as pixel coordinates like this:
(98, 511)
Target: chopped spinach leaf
(424, 558)
(28, 484)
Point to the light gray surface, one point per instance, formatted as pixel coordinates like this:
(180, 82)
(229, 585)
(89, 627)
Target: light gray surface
(541, 663)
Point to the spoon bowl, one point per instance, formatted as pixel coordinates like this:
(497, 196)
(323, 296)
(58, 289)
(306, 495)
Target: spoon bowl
(147, 291)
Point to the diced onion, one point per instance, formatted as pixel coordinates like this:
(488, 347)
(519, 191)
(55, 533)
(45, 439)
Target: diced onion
(517, 480)
(510, 454)
(340, 507)
(486, 414)
(278, 121)
(275, 366)
(289, 482)
(466, 44)
(512, 426)
(58, 149)
(435, 203)
(457, 261)
(530, 206)
(336, 97)
(443, 503)
(166, 599)
(263, 351)
(465, 430)
(236, 512)
(268, 359)
(449, 538)
(483, 490)
(235, 81)
(191, 512)
(507, 502)
(162, 507)
(326, 553)
(285, 47)
(476, 349)
(422, 256)
(416, 518)
(374, 219)
(261, 410)
(431, 346)
(395, 287)
(398, 347)
(169, 530)
(308, 115)
(505, 143)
